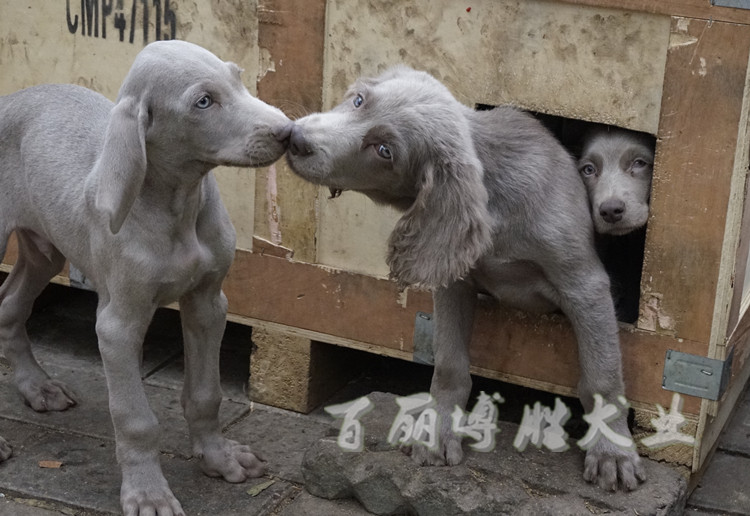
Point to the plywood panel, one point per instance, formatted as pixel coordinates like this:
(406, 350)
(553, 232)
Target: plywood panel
(592, 63)
(589, 63)
(701, 110)
(90, 44)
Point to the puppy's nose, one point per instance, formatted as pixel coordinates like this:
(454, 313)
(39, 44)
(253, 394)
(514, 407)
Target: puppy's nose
(283, 133)
(297, 143)
(611, 210)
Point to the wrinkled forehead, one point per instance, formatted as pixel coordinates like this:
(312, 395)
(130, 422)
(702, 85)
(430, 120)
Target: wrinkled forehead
(401, 86)
(613, 145)
(179, 63)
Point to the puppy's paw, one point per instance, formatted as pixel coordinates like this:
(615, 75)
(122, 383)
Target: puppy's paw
(448, 452)
(139, 496)
(609, 465)
(47, 395)
(231, 460)
(5, 450)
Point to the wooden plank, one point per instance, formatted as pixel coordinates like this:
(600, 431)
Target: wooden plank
(11, 251)
(543, 349)
(538, 351)
(296, 373)
(701, 9)
(701, 109)
(11, 257)
(330, 301)
(291, 37)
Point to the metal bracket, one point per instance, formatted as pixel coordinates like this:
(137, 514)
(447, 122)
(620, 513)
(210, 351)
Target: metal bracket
(738, 4)
(695, 375)
(423, 330)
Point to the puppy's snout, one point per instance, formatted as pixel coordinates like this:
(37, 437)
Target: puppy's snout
(298, 145)
(283, 133)
(612, 210)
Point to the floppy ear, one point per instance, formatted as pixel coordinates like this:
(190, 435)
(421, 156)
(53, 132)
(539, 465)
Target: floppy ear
(447, 228)
(121, 167)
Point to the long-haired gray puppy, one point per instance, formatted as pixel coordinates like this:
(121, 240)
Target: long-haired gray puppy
(491, 202)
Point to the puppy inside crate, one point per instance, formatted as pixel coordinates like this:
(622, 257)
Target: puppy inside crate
(616, 166)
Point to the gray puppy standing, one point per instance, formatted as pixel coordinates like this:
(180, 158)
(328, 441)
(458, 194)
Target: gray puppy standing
(491, 202)
(125, 192)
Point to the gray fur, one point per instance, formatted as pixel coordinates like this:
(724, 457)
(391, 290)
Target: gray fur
(616, 166)
(125, 192)
(503, 213)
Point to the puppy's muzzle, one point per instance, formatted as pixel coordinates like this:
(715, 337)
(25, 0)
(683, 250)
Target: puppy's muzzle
(298, 144)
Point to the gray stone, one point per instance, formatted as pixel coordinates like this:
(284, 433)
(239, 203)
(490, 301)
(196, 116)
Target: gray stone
(89, 477)
(280, 436)
(725, 485)
(91, 415)
(736, 436)
(30, 507)
(503, 481)
(305, 504)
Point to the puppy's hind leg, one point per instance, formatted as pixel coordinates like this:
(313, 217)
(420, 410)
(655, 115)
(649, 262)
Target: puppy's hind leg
(38, 261)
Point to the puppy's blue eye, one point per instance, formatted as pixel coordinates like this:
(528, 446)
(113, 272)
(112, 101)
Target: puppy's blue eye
(384, 152)
(358, 100)
(204, 102)
(588, 170)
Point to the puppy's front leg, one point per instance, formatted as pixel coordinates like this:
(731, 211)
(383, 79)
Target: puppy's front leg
(588, 305)
(121, 327)
(451, 382)
(203, 313)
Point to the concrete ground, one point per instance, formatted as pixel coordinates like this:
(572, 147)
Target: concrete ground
(84, 478)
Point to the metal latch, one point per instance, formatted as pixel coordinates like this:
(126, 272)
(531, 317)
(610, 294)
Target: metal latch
(423, 331)
(695, 375)
(738, 4)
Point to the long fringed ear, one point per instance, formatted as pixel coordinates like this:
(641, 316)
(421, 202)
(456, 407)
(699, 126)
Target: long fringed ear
(447, 228)
(121, 167)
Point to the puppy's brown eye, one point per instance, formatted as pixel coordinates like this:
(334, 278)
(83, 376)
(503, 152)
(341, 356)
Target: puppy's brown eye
(588, 170)
(639, 163)
(204, 102)
(384, 152)
(358, 101)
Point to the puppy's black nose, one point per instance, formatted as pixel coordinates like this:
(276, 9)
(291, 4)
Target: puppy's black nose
(282, 133)
(611, 210)
(297, 143)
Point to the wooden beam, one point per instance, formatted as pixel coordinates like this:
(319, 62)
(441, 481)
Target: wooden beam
(291, 36)
(700, 9)
(700, 115)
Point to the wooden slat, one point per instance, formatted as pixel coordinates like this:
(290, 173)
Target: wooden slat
(700, 113)
(11, 251)
(329, 301)
(700, 9)
(291, 36)
(11, 256)
(538, 351)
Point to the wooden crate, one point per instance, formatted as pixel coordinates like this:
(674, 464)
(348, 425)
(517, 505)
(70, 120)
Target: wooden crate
(676, 70)
(312, 268)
